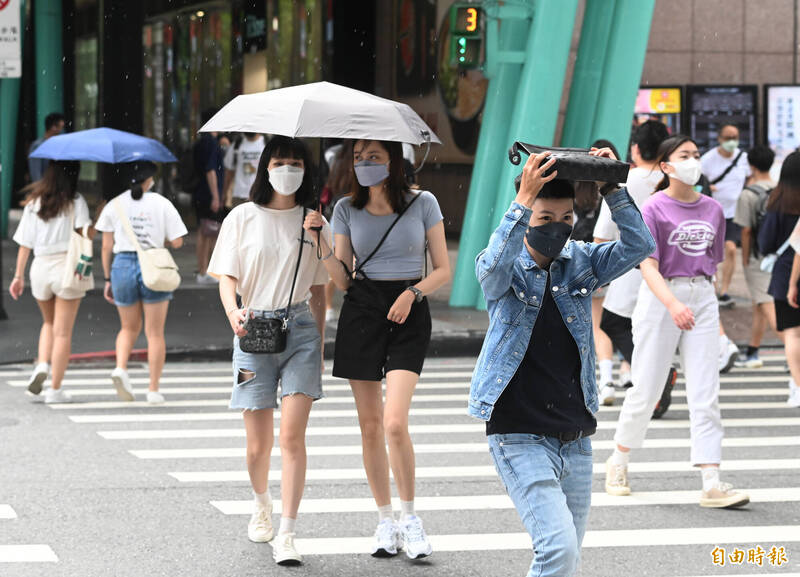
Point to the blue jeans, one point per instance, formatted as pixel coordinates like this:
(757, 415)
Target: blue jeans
(127, 285)
(550, 483)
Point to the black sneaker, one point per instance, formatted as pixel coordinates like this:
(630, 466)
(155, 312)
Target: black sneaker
(666, 396)
(725, 301)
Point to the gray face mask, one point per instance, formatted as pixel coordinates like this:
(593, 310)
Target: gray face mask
(370, 173)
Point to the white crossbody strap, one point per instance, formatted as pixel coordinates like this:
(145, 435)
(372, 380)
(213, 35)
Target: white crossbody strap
(126, 223)
(784, 246)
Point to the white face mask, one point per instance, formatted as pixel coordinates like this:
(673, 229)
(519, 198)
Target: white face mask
(687, 171)
(286, 180)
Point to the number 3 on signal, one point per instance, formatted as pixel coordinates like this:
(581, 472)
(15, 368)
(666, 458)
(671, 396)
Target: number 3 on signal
(472, 19)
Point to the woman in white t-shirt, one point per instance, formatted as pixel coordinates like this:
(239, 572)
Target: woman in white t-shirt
(52, 210)
(155, 222)
(263, 254)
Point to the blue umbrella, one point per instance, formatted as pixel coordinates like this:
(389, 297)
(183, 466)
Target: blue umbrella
(103, 145)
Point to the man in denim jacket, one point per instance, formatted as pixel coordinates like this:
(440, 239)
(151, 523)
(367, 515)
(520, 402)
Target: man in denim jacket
(534, 383)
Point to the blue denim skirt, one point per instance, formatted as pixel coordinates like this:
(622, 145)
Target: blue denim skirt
(127, 285)
(297, 370)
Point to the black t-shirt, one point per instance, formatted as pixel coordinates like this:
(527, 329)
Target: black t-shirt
(545, 395)
(208, 156)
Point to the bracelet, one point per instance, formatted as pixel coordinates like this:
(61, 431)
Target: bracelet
(16, 277)
(228, 313)
(107, 279)
(329, 255)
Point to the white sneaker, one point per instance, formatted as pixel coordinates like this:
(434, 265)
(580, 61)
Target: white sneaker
(414, 538)
(259, 529)
(38, 377)
(283, 550)
(794, 396)
(56, 396)
(625, 380)
(330, 315)
(41, 397)
(155, 398)
(728, 356)
(387, 539)
(122, 382)
(607, 395)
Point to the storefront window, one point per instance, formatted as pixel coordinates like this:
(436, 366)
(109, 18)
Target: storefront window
(295, 41)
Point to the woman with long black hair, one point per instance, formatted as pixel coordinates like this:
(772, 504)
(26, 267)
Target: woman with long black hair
(385, 325)
(53, 209)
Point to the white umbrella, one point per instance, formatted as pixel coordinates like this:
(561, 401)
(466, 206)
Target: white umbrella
(322, 110)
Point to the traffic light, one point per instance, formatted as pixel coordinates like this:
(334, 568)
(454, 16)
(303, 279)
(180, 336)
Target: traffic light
(466, 34)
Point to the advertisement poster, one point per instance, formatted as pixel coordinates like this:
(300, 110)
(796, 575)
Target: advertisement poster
(711, 107)
(783, 114)
(659, 103)
(10, 36)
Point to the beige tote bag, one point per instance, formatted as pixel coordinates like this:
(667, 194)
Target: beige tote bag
(78, 267)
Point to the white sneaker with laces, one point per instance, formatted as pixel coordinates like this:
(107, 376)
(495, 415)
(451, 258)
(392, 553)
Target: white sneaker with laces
(259, 529)
(56, 396)
(38, 377)
(794, 396)
(41, 397)
(607, 394)
(728, 356)
(387, 539)
(122, 382)
(155, 398)
(415, 540)
(284, 552)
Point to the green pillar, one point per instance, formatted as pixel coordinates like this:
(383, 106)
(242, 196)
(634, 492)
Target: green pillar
(489, 158)
(49, 60)
(587, 77)
(622, 72)
(9, 112)
(535, 112)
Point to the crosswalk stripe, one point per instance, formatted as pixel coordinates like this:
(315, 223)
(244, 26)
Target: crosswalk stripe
(443, 448)
(7, 512)
(593, 539)
(27, 554)
(489, 502)
(442, 429)
(487, 471)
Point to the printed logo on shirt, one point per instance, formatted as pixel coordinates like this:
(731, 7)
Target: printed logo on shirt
(693, 237)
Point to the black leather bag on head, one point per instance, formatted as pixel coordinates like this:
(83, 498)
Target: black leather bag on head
(268, 336)
(575, 163)
(363, 292)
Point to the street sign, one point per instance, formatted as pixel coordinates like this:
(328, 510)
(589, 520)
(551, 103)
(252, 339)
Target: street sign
(466, 35)
(10, 44)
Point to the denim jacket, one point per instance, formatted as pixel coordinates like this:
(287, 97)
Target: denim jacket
(513, 285)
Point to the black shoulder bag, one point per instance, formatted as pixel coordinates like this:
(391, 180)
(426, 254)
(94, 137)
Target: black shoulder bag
(269, 335)
(728, 169)
(363, 292)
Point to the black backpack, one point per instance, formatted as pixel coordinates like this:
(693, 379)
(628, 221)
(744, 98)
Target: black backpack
(763, 196)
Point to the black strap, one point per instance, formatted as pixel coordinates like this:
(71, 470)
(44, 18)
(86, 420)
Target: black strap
(297, 267)
(383, 238)
(727, 170)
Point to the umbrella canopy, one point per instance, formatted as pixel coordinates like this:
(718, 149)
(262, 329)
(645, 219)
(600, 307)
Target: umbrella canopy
(103, 145)
(322, 110)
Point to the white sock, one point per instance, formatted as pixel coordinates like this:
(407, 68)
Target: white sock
(286, 526)
(407, 507)
(620, 458)
(606, 369)
(710, 477)
(263, 499)
(385, 512)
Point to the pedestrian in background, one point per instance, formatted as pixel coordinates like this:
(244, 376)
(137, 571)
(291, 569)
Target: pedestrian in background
(53, 209)
(783, 213)
(208, 196)
(155, 222)
(53, 125)
(385, 324)
(677, 307)
(241, 162)
(750, 212)
(262, 255)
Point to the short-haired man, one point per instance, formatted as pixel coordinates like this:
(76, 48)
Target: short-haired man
(534, 383)
(750, 211)
(53, 125)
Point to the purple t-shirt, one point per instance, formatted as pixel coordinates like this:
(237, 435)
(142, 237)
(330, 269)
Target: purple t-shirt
(690, 237)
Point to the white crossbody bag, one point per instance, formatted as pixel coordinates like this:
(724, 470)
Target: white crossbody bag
(159, 271)
(768, 262)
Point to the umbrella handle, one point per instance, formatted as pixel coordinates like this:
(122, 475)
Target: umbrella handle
(427, 137)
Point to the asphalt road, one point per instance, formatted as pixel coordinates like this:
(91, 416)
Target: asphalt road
(106, 489)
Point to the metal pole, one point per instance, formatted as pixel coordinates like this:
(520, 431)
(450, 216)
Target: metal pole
(491, 153)
(49, 64)
(588, 74)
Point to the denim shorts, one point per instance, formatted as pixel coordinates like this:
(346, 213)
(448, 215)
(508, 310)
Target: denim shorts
(298, 369)
(127, 284)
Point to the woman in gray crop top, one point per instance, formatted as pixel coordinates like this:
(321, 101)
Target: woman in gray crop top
(385, 325)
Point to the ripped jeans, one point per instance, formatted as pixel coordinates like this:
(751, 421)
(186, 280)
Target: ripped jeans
(297, 369)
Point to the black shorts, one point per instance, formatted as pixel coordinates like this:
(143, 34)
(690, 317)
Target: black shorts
(368, 345)
(733, 232)
(786, 316)
(618, 329)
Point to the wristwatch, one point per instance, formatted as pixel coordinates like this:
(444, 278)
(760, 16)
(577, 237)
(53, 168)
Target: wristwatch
(418, 296)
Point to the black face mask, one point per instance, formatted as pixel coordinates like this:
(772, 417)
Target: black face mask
(548, 239)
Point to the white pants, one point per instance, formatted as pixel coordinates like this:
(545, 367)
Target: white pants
(655, 338)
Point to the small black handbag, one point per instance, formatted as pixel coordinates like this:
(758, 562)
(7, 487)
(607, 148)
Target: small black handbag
(268, 335)
(575, 163)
